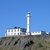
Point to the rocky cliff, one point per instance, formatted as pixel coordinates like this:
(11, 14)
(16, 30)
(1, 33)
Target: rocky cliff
(25, 42)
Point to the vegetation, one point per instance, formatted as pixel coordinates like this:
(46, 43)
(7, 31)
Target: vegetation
(28, 42)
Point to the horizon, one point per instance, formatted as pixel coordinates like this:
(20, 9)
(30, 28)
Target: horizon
(13, 14)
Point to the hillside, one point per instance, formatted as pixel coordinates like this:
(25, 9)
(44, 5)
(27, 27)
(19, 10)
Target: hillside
(25, 43)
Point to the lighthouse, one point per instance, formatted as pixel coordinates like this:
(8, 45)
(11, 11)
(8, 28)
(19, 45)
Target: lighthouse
(28, 23)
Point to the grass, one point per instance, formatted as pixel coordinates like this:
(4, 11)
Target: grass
(45, 44)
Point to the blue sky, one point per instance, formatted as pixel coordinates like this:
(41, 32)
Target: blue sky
(13, 13)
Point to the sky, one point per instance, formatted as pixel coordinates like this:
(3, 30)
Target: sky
(13, 13)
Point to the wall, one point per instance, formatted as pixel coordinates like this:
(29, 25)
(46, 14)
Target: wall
(11, 32)
(38, 33)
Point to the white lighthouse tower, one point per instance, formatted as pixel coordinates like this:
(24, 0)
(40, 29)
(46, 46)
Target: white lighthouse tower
(28, 23)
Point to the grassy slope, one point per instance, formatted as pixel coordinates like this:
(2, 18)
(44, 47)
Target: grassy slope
(46, 45)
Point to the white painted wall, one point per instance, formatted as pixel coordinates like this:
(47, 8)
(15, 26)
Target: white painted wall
(12, 32)
(47, 32)
(38, 33)
(28, 23)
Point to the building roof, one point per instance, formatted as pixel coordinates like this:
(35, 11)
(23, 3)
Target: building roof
(17, 28)
(39, 31)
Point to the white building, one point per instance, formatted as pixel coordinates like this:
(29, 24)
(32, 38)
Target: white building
(15, 31)
(38, 33)
(47, 33)
(23, 31)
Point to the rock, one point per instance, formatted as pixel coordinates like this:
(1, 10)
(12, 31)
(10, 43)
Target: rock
(5, 43)
(10, 49)
(48, 48)
(25, 43)
(22, 42)
(27, 48)
(15, 41)
(39, 45)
